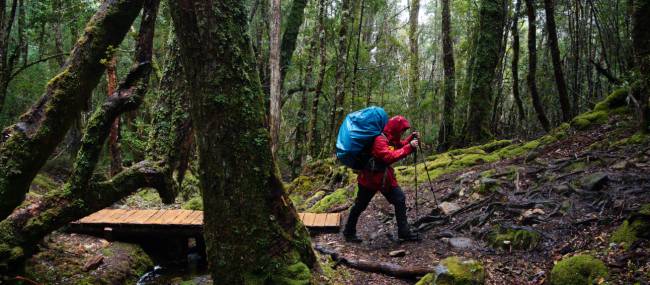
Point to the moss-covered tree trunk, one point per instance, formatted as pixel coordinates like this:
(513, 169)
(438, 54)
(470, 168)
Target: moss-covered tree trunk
(26, 145)
(290, 36)
(276, 79)
(531, 78)
(560, 82)
(414, 56)
(252, 232)
(341, 67)
(447, 125)
(483, 61)
(515, 61)
(641, 45)
(80, 195)
(312, 130)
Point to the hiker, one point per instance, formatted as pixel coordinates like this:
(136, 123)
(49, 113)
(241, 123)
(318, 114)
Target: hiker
(386, 149)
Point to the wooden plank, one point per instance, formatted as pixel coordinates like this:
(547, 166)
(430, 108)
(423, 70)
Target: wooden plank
(319, 220)
(181, 218)
(156, 214)
(157, 218)
(140, 217)
(301, 216)
(116, 216)
(333, 220)
(309, 219)
(93, 218)
(196, 218)
(169, 216)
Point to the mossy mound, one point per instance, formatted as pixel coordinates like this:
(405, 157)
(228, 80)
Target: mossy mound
(62, 259)
(615, 103)
(340, 197)
(514, 239)
(578, 270)
(318, 178)
(455, 271)
(195, 203)
(637, 226)
(43, 184)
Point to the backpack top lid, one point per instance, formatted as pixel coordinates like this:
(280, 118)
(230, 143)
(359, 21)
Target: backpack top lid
(358, 130)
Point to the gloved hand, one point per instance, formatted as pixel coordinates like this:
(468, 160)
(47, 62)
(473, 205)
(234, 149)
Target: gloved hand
(414, 143)
(416, 135)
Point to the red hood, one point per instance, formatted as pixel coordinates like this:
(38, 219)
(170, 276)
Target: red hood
(395, 127)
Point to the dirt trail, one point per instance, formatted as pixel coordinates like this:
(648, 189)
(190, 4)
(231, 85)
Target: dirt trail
(572, 193)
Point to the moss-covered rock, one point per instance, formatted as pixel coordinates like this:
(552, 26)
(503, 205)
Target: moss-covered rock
(637, 226)
(195, 203)
(578, 270)
(43, 184)
(338, 198)
(121, 263)
(514, 239)
(455, 271)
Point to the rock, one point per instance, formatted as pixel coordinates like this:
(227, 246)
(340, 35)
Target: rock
(620, 165)
(514, 239)
(449, 207)
(532, 212)
(594, 181)
(397, 253)
(578, 270)
(93, 262)
(462, 243)
(455, 270)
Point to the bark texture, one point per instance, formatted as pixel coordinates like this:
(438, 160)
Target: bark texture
(26, 145)
(263, 241)
(560, 82)
(531, 78)
(641, 46)
(483, 64)
(447, 125)
(515, 61)
(276, 76)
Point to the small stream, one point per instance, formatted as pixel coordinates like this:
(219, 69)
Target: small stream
(194, 271)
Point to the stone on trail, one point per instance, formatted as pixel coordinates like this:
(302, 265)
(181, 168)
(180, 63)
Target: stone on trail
(594, 181)
(455, 270)
(449, 207)
(397, 253)
(461, 243)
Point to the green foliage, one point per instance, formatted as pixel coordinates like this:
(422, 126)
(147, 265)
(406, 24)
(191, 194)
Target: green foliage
(456, 271)
(514, 239)
(578, 270)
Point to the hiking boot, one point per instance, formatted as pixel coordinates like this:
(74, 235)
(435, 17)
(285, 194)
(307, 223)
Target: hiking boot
(405, 237)
(352, 238)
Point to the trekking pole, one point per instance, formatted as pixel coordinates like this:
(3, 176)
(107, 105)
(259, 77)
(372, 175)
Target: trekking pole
(429, 178)
(415, 171)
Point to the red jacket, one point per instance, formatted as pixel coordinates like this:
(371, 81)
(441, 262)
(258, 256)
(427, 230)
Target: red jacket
(387, 148)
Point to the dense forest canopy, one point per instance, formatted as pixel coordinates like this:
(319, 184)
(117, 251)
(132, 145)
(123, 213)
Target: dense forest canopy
(114, 96)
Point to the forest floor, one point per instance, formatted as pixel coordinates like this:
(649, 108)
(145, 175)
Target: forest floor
(571, 194)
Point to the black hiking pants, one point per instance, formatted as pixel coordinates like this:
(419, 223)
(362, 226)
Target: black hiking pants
(364, 195)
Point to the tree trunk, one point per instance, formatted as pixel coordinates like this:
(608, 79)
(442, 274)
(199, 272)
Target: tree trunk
(7, 59)
(26, 145)
(414, 59)
(483, 63)
(341, 66)
(276, 76)
(312, 130)
(294, 20)
(532, 65)
(641, 46)
(113, 146)
(549, 8)
(263, 241)
(80, 196)
(515, 61)
(446, 131)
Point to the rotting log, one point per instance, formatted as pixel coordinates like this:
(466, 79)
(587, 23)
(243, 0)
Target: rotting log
(26, 145)
(386, 268)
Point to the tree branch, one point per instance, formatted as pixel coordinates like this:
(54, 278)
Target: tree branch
(26, 66)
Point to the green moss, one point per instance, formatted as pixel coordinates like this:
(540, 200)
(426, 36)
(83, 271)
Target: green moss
(195, 203)
(455, 271)
(515, 239)
(616, 99)
(635, 139)
(625, 234)
(638, 226)
(43, 184)
(337, 198)
(578, 270)
(589, 119)
(576, 166)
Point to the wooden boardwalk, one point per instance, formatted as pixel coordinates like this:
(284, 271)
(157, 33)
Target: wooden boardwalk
(172, 222)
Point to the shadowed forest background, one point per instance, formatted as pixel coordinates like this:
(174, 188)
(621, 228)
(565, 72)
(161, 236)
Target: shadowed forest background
(533, 117)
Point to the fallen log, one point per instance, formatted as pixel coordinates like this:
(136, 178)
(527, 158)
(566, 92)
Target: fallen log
(386, 268)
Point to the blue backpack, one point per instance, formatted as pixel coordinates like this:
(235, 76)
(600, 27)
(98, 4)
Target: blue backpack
(357, 134)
